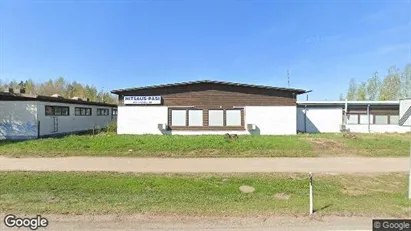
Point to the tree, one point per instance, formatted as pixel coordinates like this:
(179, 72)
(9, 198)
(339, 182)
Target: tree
(362, 91)
(352, 90)
(373, 87)
(342, 97)
(406, 82)
(391, 85)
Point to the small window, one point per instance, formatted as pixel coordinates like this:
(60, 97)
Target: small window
(102, 112)
(215, 118)
(49, 110)
(57, 111)
(83, 111)
(352, 118)
(114, 112)
(394, 119)
(178, 117)
(381, 119)
(364, 119)
(233, 117)
(195, 117)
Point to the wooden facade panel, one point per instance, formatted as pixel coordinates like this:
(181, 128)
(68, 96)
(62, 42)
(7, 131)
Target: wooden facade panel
(214, 96)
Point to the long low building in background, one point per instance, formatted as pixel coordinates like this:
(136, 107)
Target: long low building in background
(352, 116)
(28, 117)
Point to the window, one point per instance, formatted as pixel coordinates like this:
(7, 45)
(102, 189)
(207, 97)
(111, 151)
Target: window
(195, 117)
(103, 112)
(114, 112)
(82, 111)
(57, 111)
(178, 118)
(381, 119)
(394, 119)
(352, 118)
(233, 117)
(216, 118)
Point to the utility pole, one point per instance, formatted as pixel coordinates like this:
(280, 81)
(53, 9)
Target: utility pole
(288, 78)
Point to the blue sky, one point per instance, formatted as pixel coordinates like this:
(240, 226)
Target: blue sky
(117, 44)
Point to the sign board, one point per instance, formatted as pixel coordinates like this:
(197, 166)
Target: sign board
(142, 99)
(405, 112)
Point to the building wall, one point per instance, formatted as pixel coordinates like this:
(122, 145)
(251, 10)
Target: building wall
(141, 120)
(265, 107)
(18, 120)
(317, 120)
(214, 96)
(378, 128)
(272, 120)
(71, 123)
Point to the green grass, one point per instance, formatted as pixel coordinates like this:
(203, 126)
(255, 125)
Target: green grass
(109, 144)
(109, 193)
(306, 145)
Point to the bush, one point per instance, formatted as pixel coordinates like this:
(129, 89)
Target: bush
(112, 127)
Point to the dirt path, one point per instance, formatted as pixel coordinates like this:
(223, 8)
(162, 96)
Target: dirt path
(212, 165)
(154, 223)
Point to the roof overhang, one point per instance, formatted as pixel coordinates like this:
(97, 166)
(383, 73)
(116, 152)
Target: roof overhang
(293, 90)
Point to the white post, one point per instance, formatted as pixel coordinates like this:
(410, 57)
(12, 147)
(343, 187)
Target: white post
(409, 177)
(311, 194)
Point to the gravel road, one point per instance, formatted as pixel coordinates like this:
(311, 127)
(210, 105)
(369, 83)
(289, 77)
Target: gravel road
(156, 223)
(210, 165)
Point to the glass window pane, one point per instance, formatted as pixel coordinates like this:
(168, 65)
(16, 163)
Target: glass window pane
(215, 118)
(233, 117)
(381, 119)
(352, 119)
(78, 111)
(83, 111)
(49, 110)
(65, 111)
(57, 111)
(195, 118)
(394, 119)
(363, 119)
(88, 111)
(178, 117)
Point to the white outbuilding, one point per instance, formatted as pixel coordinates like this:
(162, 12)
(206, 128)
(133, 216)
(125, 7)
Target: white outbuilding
(27, 117)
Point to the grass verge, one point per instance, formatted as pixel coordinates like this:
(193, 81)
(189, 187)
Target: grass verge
(286, 194)
(306, 145)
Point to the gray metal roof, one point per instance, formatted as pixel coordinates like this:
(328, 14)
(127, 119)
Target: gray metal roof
(298, 91)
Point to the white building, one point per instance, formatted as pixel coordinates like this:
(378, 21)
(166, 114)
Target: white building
(353, 116)
(207, 107)
(28, 117)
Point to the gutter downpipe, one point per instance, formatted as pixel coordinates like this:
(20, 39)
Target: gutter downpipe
(368, 115)
(345, 112)
(305, 118)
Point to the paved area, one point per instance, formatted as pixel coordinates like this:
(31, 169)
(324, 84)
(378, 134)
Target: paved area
(208, 165)
(156, 223)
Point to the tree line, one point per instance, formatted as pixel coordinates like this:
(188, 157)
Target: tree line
(396, 84)
(63, 88)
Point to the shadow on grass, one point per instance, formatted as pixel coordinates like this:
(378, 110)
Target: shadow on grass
(322, 208)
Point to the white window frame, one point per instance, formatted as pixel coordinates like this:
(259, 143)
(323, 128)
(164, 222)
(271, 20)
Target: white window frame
(192, 113)
(238, 120)
(212, 114)
(173, 116)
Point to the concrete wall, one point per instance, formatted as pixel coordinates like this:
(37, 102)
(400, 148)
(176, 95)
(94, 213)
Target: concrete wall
(272, 120)
(71, 123)
(18, 120)
(141, 119)
(316, 120)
